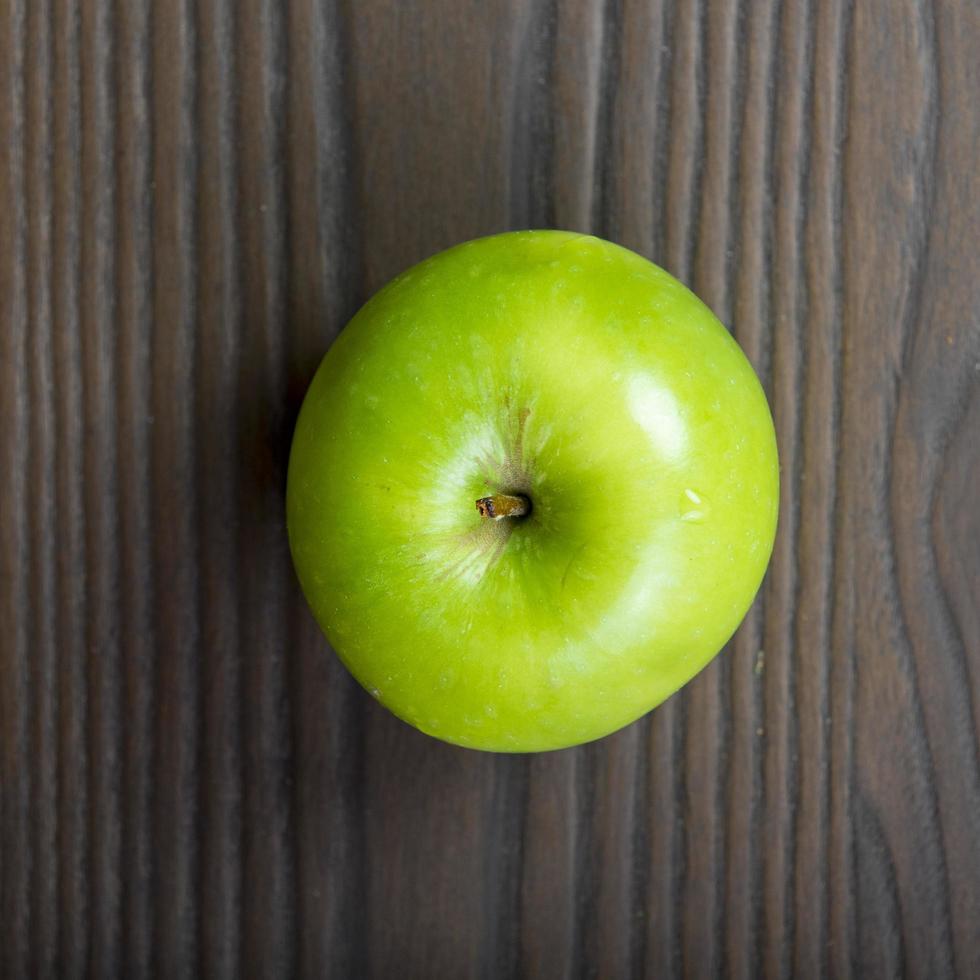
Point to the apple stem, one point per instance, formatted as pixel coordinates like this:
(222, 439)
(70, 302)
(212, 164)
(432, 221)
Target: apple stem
(502, 505)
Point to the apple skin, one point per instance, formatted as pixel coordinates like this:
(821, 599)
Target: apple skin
(574, 372)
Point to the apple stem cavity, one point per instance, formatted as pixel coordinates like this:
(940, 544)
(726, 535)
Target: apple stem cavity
(502, 505)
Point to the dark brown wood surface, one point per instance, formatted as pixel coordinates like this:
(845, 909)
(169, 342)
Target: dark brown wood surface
(194, 197)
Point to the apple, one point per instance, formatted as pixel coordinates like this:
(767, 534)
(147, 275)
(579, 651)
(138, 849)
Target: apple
(532, 491)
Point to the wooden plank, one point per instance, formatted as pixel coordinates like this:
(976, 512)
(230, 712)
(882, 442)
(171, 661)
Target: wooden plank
(194, 198)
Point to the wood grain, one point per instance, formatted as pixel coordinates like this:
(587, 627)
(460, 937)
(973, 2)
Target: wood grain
(194, 198)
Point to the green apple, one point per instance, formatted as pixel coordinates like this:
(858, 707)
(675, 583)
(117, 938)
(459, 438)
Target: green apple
(532, 491)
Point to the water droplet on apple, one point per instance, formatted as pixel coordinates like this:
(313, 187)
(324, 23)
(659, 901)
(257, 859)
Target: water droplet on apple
(375, 693)
(694, 508)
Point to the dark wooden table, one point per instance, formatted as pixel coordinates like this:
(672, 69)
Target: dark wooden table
(194, 197)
